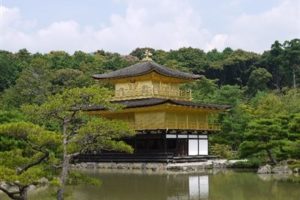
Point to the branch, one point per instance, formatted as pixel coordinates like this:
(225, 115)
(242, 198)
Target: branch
(55, 115)
(24, 188)
(41, 159)
(73, 114)
(16, 184)
(73, 132)
(67, 120)
(10, 194)
(74, 154)
(56, 166)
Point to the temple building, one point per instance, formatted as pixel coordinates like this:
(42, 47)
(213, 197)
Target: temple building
(168, 123)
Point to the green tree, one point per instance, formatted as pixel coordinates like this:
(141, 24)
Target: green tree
(234, 121)
(160, 56)
(221, 150)
(59, 60)
(215, 55)
(33, 85)
(233, 124)
(192, 58)
(292, 56)
(8, 70)
(68, 78)
(258, 80)
(29, 157)
(88, 63)
(282, 61)
(291, 101)
(263, 135)
(273, 61)
(11, 116)
(140, 52)
(80, 132)
(233, 69)
(23, 59)
(114, 61)
(229, 94)
(271, 125)
(203, 90)
(294, 136)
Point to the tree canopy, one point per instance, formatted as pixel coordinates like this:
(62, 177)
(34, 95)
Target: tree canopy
(33, 150)
(67, 113)
(43, 98)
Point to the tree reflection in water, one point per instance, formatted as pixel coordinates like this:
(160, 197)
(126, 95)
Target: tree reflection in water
(225, 185)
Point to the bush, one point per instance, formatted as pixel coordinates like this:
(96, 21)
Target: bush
(249, 164)
(293, 164)
(222, 151)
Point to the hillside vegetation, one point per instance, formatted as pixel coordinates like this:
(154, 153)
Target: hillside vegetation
(263, 90)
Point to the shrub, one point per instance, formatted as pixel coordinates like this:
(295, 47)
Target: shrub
(249, 164)
(222, 150)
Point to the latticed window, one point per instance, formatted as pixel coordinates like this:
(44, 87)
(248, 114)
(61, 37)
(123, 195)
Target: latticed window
(132, 86)
(121, 92)
(145, 90)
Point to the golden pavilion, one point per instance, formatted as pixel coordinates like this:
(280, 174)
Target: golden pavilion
(168, 123)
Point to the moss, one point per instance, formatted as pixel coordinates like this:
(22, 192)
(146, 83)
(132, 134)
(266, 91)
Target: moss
(293, 164)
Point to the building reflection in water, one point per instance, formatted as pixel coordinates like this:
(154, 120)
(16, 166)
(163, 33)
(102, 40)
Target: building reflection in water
(193, 187)
(130, 186)
(198, 187)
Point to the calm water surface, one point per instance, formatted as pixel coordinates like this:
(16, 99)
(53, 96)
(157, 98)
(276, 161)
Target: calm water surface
(222, 186)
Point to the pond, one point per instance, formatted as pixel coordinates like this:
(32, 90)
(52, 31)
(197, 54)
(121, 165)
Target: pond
(226, 185)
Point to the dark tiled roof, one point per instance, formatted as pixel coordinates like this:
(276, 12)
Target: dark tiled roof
(135, 103)
(144, 68)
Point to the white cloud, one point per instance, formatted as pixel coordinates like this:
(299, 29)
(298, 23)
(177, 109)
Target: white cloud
(219, 41)
(11, 26)
(258, 32)
(165, 24)
(8, 16)
(161, 24)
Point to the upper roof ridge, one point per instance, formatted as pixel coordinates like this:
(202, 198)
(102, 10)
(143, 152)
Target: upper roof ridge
(144, 67)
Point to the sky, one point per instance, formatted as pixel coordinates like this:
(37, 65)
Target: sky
(123, 25)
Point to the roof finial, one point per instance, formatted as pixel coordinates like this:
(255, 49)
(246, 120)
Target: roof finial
(147, 55)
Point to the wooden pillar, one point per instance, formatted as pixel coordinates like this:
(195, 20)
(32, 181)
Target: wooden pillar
(176, 149)
(187, 121)
(198, 142)
(165, 142)
(135, 150)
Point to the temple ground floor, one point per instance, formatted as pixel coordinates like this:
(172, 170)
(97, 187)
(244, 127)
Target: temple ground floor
(157, 147)
(176, 144)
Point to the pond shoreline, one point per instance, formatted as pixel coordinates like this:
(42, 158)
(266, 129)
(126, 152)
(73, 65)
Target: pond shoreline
(204, 166)
(210, 165)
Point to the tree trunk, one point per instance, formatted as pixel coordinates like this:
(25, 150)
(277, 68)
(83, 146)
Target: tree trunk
(63, 178)
(277, 80)
(23, 194)
(271, 157)
(294, 78)
(65, 166)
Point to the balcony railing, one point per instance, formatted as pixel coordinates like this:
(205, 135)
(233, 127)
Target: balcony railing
(123, 94)
(176, 125)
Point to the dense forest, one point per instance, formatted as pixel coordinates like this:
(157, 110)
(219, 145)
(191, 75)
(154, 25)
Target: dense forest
(263, 90)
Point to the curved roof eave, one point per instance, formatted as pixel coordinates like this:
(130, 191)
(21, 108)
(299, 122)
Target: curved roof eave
(143, 68)
(148, 102)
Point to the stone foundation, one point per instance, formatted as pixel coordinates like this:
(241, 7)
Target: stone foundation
(157, 167)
